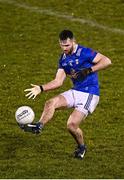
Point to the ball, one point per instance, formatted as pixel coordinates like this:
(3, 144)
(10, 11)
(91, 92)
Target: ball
(24, 115)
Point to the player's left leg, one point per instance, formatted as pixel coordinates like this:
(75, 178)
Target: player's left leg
(73, 127)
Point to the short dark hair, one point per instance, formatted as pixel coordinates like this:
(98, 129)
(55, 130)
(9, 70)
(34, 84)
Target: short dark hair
(65, 34)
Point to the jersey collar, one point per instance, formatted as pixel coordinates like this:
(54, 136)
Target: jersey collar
(75, 48)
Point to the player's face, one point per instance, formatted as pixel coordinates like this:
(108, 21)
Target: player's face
(67, 45)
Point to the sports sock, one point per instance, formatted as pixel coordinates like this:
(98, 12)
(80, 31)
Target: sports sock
(81, 146)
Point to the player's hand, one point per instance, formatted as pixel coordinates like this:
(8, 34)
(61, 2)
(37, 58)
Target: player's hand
(34, 128)
(80, 75)
(33, 92)
(73, 74)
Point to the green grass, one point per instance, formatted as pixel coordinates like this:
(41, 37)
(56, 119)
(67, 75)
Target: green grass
(29, 54)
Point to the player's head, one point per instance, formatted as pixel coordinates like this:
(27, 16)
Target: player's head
(66, 40)
(65, 34)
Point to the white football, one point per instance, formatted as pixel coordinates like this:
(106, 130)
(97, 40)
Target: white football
(24, 115)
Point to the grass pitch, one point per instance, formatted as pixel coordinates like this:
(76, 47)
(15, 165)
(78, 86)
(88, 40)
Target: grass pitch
(29, 54)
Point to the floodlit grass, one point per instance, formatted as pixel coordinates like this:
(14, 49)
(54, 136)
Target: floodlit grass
(29, 54)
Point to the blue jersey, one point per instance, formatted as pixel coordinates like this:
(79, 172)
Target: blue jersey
(81, 58)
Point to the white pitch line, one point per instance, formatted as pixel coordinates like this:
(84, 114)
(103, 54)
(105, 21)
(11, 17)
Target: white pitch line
(65, 16)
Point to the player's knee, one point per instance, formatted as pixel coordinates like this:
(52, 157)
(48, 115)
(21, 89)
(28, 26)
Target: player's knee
(71, 126)
(49, 103)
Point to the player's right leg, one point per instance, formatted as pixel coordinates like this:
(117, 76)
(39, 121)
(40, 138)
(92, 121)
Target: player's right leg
(50, 106)
(48, 112)
(60, 101)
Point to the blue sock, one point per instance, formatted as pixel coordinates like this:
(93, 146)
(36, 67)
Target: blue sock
(81, 146)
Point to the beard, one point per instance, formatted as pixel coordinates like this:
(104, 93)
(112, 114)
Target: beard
(69, 51)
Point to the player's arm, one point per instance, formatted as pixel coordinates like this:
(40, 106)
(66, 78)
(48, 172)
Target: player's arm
(56, 83)
(101, 62)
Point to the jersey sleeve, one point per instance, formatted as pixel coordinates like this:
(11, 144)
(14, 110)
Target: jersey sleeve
(89, 54)
(60, 65)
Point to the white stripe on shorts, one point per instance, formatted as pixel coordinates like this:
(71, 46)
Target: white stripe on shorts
(89, 99)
